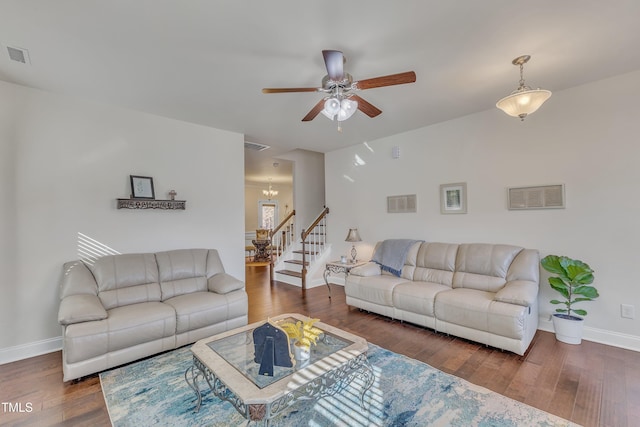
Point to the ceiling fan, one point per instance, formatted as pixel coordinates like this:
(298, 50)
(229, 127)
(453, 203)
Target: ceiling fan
(340, 102)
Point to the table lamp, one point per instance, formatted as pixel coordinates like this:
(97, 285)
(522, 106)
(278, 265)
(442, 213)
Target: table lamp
(353, 236)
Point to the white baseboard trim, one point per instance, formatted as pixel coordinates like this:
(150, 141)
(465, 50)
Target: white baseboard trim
(615, 339)
(25, 351)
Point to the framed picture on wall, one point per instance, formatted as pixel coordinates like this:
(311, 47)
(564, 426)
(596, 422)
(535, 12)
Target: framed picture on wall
(453, 198)
(142, 187)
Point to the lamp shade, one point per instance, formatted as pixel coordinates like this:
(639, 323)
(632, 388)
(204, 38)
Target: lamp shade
(353, 236)
(523, 102)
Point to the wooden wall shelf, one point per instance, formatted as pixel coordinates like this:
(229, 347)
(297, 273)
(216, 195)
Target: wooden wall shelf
(152, 204)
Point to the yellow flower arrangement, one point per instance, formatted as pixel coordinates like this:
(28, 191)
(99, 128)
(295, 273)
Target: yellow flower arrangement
(303, 332)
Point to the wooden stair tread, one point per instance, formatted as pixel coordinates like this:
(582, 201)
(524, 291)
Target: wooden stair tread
(290, 273)
(296, 261)
(306, 252)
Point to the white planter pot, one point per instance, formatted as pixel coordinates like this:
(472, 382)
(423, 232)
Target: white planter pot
(301, 353)
(568, 328)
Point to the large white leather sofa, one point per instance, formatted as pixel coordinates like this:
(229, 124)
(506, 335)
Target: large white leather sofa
(126, 307)
(486, 293)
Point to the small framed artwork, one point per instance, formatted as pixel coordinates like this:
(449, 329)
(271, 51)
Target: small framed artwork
(142, 187)
(453, 198)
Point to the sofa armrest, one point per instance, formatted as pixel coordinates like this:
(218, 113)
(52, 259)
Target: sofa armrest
(520, 292)
(80, 308)
(367, 270)
(223, 283)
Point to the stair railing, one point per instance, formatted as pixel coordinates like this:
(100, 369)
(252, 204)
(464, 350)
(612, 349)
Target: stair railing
(313, 242)
(281, 238)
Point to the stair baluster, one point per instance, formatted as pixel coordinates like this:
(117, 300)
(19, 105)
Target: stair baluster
(281, 240)
(315, 248)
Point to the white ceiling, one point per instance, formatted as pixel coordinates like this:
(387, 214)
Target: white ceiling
(206, 61)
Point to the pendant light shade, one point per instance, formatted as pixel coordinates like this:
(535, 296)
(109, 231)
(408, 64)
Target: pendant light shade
(522, 103)
(524, 100)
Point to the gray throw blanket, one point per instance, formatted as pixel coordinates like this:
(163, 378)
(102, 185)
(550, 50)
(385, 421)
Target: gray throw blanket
(392, 253)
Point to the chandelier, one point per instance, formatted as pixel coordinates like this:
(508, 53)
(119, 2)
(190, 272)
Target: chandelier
(524, 100)
(270, 193)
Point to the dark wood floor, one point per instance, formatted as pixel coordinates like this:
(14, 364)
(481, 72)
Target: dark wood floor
(590, 384)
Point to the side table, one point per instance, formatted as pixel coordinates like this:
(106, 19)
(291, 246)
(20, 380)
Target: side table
(339, 267)
(263, 251)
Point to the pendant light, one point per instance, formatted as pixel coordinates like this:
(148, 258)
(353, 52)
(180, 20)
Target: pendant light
(524, 100)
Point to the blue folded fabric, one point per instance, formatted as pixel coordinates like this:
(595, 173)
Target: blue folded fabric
(392, 253)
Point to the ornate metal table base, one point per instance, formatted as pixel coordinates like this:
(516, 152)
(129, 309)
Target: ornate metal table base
(338, 267)
(327, 384)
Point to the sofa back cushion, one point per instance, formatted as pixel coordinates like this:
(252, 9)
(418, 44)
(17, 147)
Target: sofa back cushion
(126, 279)
(409, 263)
(182, 271)
(483, 266)
(435, 262)
(525, 266)
(77, 280)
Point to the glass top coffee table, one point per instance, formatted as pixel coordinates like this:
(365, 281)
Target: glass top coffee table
(226, 363)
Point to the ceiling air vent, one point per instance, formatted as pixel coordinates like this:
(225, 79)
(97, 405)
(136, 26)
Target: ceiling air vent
(255, 146)
(18, 54)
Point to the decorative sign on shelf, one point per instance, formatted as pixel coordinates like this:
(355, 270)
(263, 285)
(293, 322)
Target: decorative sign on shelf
(151, 204)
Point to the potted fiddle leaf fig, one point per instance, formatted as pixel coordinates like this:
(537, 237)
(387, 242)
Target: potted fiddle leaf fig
(572, 280)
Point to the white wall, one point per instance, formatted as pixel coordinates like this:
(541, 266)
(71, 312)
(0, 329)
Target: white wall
(585, 138)
(63, 164)
(308, 187)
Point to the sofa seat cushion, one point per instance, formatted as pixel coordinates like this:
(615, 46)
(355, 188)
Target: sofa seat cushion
(374, 289)
(417, 297)
(199, 309)
(124, 327)
(478, 310)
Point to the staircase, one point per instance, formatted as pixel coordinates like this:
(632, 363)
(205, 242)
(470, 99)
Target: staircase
(302, 256)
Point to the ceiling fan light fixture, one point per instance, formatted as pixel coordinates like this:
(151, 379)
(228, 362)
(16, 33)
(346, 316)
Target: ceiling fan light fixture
(347, 109)
(524, 100)
(339, 102)
(331, 107)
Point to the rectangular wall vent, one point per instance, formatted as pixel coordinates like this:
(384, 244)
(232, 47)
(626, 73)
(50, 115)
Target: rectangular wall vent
(402, 204)
(540, 197)
(255, 146)
(18, 54)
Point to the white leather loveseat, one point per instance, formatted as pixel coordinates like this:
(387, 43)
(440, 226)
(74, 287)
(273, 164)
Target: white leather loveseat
(126, 307)
(486, 293)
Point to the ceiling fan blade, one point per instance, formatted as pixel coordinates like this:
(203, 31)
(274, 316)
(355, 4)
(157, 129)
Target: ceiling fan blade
(334, 61)
(314, 111)
(364, 106)
(289, 89)
(393, 79)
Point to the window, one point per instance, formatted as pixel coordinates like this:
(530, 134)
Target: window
(268, 214)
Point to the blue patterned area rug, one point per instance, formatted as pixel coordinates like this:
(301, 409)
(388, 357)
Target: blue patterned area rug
(406, 392)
